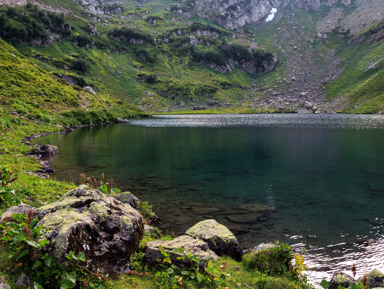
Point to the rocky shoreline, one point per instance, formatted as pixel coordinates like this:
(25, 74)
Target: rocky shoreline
(107, 229)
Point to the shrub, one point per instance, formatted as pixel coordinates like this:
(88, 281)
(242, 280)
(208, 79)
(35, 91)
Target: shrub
(274, 262)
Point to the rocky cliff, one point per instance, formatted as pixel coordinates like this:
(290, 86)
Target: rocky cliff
(348, 15)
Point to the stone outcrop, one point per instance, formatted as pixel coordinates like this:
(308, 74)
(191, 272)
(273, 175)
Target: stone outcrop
(218, 237)
(87, 221)
(194, 246)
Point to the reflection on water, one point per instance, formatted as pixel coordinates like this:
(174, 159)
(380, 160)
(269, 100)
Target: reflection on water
(314, 181)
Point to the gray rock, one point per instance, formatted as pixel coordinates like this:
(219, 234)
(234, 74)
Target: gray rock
(25, 282)
(308, 105)
(194, 246)
(87, 221)
(341, 279)
(4, 285)
(128, 198)
(122, 120)
(148, 229)
(262, 246)
(375, 279)
(20, 209)
(45, 150)
(89, 89)
(218, 237)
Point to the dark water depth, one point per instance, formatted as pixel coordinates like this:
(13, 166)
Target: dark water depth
(314, 181)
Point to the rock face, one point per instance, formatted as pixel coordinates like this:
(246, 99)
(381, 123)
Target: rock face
(87, 221)
(219, 239)
(233, 14)
(194, 246)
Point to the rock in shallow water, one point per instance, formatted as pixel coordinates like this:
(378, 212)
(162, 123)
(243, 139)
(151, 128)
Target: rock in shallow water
(87, 221)
(218, 237)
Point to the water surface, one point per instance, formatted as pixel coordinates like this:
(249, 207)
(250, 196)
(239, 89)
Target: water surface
(314, 181)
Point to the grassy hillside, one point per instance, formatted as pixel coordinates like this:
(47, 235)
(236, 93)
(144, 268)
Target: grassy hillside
(141, 56)
(360, 88)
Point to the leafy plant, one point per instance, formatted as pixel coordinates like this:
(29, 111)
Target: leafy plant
(146, 210)
(24, 243)
(105, 188)
(174, 276)
(8, 195)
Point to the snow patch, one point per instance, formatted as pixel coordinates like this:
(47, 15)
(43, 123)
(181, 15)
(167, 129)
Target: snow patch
(271, 15)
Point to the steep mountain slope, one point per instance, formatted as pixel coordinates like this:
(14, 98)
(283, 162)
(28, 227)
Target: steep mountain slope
(165, 54)
(135, 58)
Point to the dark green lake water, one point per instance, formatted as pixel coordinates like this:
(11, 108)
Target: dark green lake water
(314, 181)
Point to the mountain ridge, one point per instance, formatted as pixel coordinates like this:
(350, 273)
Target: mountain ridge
(178, 57)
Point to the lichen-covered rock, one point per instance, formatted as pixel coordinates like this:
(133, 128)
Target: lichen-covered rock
(128, 198)
(87, 221)
(45, 150)
(341, 279)
(20, 209)
(375, 279)
(218, 237)
(194, 246)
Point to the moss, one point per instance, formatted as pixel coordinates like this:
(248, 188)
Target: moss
(208, 229)
(100, 210)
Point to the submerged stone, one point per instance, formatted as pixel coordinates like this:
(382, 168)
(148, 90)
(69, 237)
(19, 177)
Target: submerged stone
(218, 237)
(87, 221)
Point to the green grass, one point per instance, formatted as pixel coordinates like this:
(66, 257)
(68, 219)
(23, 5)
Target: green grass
(362, 78)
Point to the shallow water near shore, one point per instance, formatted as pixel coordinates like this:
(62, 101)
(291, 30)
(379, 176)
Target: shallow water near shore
(313, 181)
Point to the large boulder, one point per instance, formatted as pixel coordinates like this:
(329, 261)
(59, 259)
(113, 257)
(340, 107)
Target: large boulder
(218, 237)
(87, 221)
(20, 209)
(190, 245)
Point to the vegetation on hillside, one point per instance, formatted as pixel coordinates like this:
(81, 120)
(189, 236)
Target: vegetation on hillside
(360, 87)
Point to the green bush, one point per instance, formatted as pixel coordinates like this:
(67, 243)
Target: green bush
(30, 24)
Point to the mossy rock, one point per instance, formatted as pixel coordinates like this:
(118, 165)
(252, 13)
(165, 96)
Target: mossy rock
(341, 279)
(218, 237)
(190, 245)
(90, 222)
(375, 279)
(128, 198)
